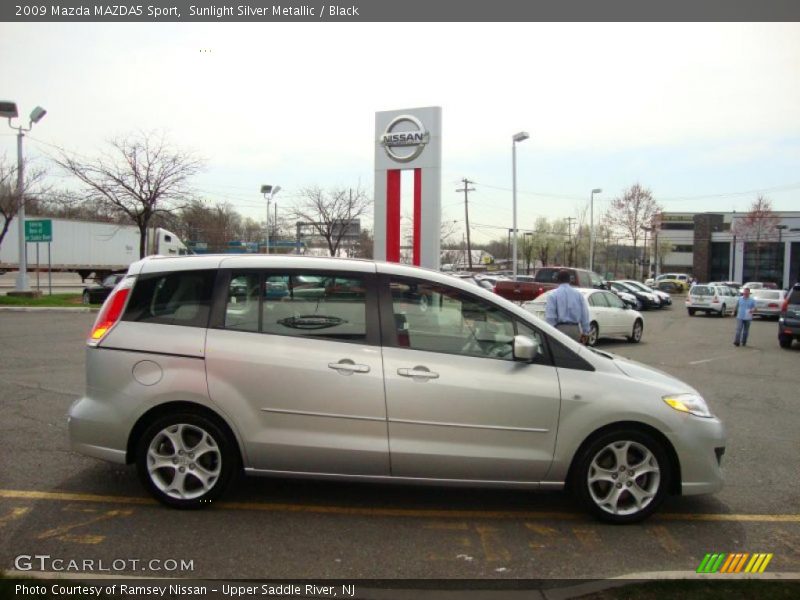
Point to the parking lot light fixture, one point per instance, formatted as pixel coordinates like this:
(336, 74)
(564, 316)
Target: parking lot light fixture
(269, 191)
(9, 111)
(517, 137)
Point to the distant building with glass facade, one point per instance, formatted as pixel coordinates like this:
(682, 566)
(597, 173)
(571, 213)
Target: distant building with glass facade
(706, 246)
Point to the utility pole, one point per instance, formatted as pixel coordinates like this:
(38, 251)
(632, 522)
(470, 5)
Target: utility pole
(569, 221)
(466, 189)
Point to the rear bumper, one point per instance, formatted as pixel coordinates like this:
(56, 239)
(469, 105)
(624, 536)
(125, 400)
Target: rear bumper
(94, 430)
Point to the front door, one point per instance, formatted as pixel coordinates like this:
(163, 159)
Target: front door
(458, 405)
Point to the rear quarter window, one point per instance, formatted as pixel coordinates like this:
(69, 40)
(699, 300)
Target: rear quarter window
(175, 298)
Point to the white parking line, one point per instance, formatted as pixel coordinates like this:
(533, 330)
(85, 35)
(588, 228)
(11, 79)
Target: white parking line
(705, 360)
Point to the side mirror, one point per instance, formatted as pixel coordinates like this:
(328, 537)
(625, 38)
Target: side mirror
(525, 349)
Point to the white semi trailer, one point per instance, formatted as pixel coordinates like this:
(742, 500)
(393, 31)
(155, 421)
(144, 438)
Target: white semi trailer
(88, 248)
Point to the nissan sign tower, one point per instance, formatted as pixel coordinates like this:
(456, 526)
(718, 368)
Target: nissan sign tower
(408, 139)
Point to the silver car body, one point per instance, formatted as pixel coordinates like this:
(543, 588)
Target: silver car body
(307, 407)
(715, 299)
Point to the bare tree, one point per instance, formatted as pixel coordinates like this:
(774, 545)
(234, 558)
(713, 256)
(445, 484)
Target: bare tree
(759, 225)
(9, 199)
(629, 212)
(330, 213)
(140, 176)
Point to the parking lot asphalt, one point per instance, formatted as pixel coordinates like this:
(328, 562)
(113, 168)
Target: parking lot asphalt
(54, 502)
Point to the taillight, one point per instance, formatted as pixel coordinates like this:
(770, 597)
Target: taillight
(715, 299)
(111, 311)
(772, 305)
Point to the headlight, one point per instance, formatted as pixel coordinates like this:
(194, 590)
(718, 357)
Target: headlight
(689, 403)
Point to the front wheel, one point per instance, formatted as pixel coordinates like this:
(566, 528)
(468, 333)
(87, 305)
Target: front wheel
(723, 310)
(636, 334)
(186, 460)
(622, 476)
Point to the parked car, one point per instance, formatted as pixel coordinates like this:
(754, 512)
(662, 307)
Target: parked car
(367, 386)
(544, 280)
(664, 298)
(752, 285)
(789, 320)
(734, 285)
(609, 316)
(719, 300)
(644, 300)
(629, 299)
(768, 302)
(671, 282)
(98, 292)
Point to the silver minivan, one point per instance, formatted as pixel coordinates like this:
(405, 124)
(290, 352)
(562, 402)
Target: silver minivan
(199, 367)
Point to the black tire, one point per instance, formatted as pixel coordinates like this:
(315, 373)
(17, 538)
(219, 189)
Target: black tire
(691, 311)
(653, 484)
(722, 311)
(785, 341)
(636, 333)
(594, 334)
(219, 460)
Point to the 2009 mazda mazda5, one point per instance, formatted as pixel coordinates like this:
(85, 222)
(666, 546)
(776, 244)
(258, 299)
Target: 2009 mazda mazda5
(198, 367)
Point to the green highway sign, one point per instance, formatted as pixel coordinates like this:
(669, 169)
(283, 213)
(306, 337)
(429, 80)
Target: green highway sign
(40, 230)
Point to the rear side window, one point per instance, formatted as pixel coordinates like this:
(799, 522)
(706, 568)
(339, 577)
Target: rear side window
(315, 305)
(176, 298)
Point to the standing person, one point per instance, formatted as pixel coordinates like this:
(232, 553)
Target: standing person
(744, 316)
(567, 309)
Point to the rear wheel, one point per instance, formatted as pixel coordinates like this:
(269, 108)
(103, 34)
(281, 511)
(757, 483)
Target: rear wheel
(723, 310)
(636, 333)
(623, 476)
(186, 460)
(691, 312)
(785, 341)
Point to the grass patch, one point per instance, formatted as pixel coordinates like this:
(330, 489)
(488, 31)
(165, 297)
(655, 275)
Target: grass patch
(692, 589)
(59, 300)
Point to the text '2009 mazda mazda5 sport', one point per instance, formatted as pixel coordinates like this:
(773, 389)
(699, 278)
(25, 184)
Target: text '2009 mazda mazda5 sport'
(198, 367)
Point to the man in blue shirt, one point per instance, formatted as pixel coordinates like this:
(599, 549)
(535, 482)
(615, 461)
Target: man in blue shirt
(744, 316)
(567, 309)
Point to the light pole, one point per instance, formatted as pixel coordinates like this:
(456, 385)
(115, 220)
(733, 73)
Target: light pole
(591, 227)
(9, 110)
(645, 255)
(517, 137)
(269, 191)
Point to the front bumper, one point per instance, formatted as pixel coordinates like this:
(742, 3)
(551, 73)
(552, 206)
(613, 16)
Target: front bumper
(700, 446)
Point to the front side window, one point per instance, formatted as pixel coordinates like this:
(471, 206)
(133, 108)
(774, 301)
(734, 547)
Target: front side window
(436, 318)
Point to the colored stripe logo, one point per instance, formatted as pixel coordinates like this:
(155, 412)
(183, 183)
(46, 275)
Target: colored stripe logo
(741, 562)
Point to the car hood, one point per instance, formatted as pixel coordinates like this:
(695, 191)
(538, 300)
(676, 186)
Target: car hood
(647, 374)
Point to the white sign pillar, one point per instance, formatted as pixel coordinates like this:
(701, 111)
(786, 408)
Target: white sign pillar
(409, 139)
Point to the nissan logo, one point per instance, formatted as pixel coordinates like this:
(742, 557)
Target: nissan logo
(414, 139)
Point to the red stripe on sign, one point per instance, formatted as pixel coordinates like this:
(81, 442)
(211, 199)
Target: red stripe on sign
(393, 215)
(417, 216)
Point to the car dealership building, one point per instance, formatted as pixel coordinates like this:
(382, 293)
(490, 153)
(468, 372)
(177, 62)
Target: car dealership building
(706, 245)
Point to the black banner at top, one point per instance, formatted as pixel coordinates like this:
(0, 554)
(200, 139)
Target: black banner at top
(402, 11)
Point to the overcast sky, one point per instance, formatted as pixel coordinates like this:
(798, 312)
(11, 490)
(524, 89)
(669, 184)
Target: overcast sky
(705, 115)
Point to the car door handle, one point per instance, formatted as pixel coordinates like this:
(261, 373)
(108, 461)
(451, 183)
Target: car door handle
(418, 373)
(348, 367)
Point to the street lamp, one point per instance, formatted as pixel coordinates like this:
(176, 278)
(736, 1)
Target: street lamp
(645, 255)
(517, 137)
(269, 191)
(9, 110)
(591, 228)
